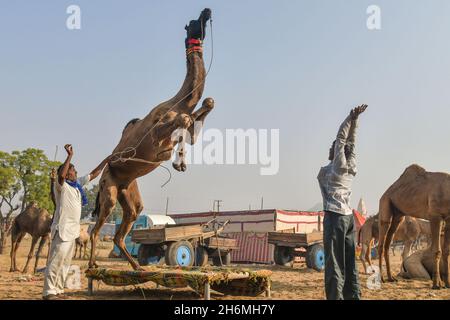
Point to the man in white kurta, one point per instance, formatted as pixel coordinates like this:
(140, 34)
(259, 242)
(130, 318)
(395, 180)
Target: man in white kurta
(65, 229)
(66, 224)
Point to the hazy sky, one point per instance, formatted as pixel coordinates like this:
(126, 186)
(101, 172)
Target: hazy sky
(297, 66)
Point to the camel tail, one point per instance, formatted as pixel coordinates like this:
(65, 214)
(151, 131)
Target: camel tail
(359, 236)
(97, 205)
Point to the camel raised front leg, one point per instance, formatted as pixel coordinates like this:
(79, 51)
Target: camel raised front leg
(198, 119)
(436, 227)
(131, 204)
(446, 253)
(107, 202)
(16, 238)
(39, 250)
(30, 253)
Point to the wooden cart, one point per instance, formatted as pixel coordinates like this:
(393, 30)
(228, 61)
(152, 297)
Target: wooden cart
(287, 243)
(185, 244)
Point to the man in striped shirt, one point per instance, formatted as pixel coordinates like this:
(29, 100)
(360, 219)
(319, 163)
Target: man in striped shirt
(335, 180)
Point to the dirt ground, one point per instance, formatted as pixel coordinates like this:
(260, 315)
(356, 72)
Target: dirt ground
(298, 283)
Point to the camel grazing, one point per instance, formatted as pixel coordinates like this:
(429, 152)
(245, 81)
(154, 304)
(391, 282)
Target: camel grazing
(36, 222)
(146, 143)
(424, 195)
(81, 243)
(408, 233)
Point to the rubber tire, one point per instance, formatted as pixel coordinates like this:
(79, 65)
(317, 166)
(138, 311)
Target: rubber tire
(201, 256)
(226, 260)
(283, 256)
(171, 253)
(314, 253)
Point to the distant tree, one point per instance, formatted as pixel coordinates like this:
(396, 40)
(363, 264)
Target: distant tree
(34, 168)
(92, 195)
(9, 188)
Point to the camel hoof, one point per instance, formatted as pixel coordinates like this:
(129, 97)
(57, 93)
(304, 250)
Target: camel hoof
(392, 279)
(176, 166)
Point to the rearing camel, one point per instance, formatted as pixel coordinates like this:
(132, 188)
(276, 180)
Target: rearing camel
(146, 143)
(420, 194)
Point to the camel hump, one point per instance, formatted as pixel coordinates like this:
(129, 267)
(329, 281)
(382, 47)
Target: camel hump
(414, 170)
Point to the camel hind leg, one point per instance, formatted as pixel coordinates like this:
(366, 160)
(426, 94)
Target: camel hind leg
(384, 223)
(15, 243)
(107, 199)
(131, 203)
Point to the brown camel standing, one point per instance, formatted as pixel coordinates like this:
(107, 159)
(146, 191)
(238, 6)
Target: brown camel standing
(408, 232)
(37, 223)
(146, 143)
(81, 243)
(424, 195)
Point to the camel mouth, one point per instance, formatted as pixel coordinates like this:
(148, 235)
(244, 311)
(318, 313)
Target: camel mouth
(197, 28)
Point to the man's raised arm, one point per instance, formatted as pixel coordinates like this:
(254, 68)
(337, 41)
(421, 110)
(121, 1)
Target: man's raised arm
(63, 172)
(346, 136)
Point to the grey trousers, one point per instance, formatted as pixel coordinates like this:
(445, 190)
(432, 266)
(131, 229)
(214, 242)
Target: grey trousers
(341, 274)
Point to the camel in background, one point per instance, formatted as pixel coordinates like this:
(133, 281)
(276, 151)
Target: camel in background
(424, 195)
(81, 243)
(37, 223)
(146, 143)
(409, 231)
(419, 265)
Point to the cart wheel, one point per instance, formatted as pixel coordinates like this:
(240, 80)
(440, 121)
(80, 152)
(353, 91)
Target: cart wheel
(226, 260)
(180, 253)
(148, 254)
(201, 256)
(315, 257)
(283, 256)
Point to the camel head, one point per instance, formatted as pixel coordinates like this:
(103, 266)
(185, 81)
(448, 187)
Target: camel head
(196, 28)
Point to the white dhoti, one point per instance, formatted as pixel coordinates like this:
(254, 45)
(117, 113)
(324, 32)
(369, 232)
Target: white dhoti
(58, 265)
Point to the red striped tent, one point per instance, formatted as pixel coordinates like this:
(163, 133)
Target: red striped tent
(250, 228)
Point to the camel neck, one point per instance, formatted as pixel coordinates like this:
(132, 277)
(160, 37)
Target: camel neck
(193, 85)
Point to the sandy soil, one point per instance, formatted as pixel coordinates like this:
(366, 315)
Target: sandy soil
(298, 283)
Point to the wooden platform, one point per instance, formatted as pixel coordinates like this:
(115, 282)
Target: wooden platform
(290, 239)
(201, 279)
